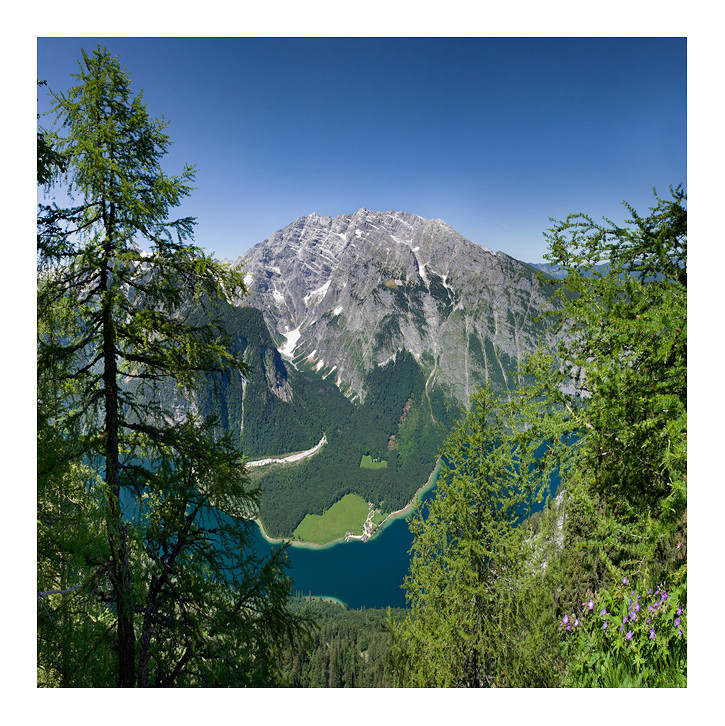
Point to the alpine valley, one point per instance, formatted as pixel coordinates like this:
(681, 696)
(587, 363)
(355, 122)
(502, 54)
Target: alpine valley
(366, 334)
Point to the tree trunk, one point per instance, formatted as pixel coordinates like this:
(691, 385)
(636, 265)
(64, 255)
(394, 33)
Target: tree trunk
(120, 572)
(146, 634)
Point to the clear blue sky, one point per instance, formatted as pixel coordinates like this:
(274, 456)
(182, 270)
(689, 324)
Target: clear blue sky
(493, 135)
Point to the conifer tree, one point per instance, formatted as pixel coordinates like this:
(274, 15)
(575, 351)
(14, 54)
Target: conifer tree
(473, 584)
(622, 378)
(623, 359)
(189, 602)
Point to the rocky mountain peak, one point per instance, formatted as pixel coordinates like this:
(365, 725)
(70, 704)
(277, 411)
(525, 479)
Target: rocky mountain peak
(343, 294)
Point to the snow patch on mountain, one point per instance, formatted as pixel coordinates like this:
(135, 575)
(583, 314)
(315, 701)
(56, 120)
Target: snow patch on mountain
(356, 287)
(316, 296)
(289, 347)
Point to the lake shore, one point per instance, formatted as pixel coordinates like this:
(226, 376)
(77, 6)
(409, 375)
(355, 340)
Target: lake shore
(408, 508)
(322, 598)
(400, 513)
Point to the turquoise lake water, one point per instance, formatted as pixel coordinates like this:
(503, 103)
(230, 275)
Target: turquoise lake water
(362, 574)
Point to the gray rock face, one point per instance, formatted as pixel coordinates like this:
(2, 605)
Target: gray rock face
(344, 294)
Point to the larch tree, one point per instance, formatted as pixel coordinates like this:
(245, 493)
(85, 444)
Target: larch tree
(623, 307)
(475, 573)
(162, 577)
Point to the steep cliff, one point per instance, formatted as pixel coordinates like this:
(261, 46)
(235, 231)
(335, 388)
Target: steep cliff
(342, 295)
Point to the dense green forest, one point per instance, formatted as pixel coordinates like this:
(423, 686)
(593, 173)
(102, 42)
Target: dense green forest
(142, 581)
(315, 484)
(349, 648)
(399, 423)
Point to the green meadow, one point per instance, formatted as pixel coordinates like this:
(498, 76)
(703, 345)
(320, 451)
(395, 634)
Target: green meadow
(368, 463)
(346, 515)
(378, 518)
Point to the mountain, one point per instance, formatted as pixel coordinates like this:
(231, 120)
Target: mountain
(277, 409)
(343, 295)
(366, 333)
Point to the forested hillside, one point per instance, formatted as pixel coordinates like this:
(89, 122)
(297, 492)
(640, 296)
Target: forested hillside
(275, 409)
(349, 649)
(155, 387)
(396, 424)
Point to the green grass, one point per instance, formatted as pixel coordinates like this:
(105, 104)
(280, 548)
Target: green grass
(378, 518)
(346, 515)
(368, 463)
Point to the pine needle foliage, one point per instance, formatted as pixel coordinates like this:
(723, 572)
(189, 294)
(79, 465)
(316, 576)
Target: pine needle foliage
(474, 587)
(159, 588)
(609, 413)
(626, 356)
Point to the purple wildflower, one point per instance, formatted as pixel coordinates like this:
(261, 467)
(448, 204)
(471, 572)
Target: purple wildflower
(629, 635)
(624, 580)
(649, 607)
(565, 620)
(604, 611)
(679, 610)
(652, 634)
(680, 631)
(591, 604)
(576, 622)
(649, 592)
(636, 608)
(677, 621)
(605, 624)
